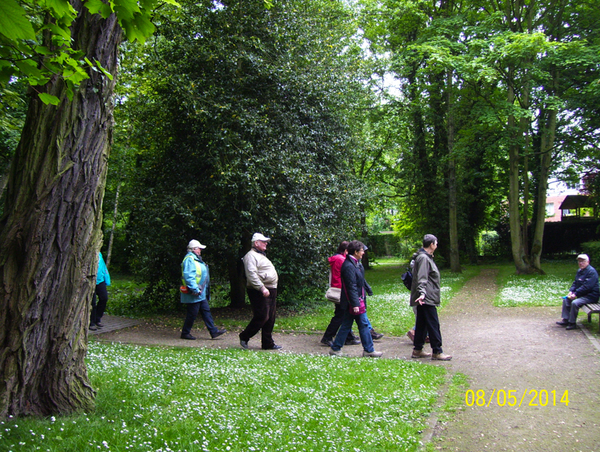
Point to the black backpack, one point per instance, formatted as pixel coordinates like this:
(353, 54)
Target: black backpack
(407, 278)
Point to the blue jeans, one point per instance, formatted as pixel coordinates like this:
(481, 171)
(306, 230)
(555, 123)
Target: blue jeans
(363, 329)
(192, 313)
(570, 308)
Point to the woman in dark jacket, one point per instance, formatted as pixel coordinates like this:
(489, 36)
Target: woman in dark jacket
(354, 288)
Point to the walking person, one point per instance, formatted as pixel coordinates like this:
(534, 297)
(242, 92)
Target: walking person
(101, 292)
(335, 263)
(374, 334)
(352, 301)
(425, 295)
(261, 285)
(584, 290)
(195, 291)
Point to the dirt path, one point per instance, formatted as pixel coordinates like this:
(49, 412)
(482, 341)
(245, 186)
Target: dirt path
(498, 349)
(522, 350)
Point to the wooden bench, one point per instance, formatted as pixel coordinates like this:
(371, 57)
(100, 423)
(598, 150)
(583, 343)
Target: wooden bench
(592, 308)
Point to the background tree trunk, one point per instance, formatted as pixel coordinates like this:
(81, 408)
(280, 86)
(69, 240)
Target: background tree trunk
(546, 146)
(237, 282)
(51, 235)
(452, 187)
(514, 199)
(114, 225)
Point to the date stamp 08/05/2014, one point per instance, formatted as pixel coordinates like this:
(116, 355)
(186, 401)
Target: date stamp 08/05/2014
(512, 397)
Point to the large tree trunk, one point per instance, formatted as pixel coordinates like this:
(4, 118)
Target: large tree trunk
(51, 236)
(546, 146)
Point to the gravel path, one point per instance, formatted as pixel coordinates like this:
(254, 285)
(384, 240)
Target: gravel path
(521, 350)
(499, 349)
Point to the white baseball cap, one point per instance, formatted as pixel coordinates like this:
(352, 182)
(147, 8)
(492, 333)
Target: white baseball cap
(260, 237)
(195, 244)
(585, 257)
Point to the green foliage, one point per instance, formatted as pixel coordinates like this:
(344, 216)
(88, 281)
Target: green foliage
(592, 249)
(12, 119)
(36, 42)
(241, 128)
(455, 64)
(125, 296)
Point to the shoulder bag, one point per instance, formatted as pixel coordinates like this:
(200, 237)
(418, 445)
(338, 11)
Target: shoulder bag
(333, 294)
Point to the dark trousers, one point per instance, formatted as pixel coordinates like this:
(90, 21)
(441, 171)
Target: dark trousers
(192, 313)
(334, 325)
(264, 310)
(428, 322)
(98, 308)
(570, 308)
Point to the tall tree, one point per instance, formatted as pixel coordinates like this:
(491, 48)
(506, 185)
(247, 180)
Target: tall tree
(514, 64)
(537, 48)
(248, 131)
(50, 229)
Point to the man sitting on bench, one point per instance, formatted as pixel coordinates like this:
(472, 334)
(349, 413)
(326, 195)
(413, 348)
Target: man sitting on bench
(584, 290)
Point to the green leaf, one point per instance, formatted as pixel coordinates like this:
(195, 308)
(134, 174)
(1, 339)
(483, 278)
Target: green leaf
(6, 73)
(126, 9)
(62, 9)
(13, 23)
(49, 99)
(98, 7)
(104, 71)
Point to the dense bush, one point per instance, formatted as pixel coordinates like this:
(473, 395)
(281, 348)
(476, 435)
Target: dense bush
(592, 249)
(247, 136)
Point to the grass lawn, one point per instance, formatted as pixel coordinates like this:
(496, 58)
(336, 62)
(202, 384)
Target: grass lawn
(169, 399)
(535, 289)
(172, 399)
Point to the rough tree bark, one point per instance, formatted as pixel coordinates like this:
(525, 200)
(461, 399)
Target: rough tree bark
(51, 236)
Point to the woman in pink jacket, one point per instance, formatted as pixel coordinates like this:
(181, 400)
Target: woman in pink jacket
(335, 262)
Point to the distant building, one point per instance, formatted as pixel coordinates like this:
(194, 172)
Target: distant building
(577, 208)
(553, 203)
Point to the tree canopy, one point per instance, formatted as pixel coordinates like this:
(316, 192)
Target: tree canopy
(242, 119)
(277, 117)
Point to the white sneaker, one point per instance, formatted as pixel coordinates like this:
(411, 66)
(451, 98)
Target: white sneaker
(372, 354)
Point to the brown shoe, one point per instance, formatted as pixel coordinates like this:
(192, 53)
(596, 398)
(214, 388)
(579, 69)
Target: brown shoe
(411, 335)
(441, 357)
(420, 354)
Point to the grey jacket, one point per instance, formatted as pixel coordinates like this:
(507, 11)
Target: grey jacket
(426, 279)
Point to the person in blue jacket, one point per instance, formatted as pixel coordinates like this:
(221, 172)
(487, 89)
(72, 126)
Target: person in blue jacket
(102, 281)
(584, 290)
(195, 291)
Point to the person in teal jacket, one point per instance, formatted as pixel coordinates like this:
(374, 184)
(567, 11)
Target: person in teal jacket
(195, 291)
(102, 281)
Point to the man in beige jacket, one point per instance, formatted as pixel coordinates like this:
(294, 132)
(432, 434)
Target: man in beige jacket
(261, 286)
